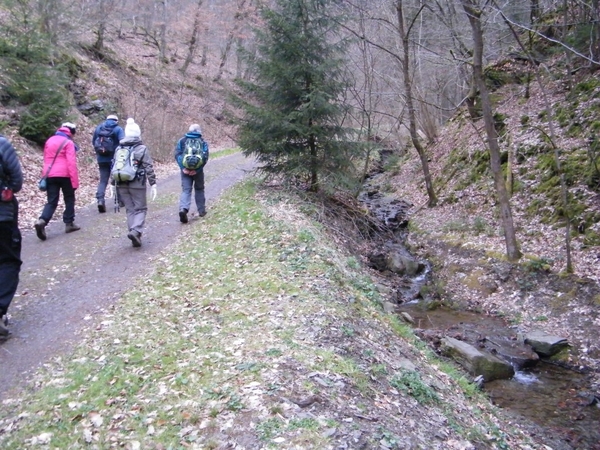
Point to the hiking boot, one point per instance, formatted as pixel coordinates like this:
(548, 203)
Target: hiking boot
(202, 214)
(4, 331)
(40, 229)
(183, 218)
(135, 238)
(70, 227)
(101, 206)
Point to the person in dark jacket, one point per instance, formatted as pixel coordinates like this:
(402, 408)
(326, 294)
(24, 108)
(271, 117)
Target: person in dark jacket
(191, 178)
(105, 153)
(132, 194)
(60, 168)
(11, 182)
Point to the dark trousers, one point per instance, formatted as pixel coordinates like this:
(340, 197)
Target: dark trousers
(104, 169)
(55, 186)
(10, 263)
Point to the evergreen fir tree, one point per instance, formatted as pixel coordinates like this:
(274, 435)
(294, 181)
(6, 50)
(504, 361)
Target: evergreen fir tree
(34, 81)
(293, 112)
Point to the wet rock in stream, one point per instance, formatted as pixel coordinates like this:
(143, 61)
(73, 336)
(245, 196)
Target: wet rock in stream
(546, 344)
(396, 259)
(476, 362)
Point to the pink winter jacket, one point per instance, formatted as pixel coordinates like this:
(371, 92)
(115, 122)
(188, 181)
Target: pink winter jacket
(66, 161)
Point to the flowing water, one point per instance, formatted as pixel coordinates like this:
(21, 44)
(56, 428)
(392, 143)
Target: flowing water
(557, 399)
(553, 397)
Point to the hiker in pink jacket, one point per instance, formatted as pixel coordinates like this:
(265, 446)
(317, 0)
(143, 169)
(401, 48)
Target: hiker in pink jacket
(60, 170)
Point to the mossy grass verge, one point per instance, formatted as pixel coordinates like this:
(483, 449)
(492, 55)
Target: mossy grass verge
(251, 312)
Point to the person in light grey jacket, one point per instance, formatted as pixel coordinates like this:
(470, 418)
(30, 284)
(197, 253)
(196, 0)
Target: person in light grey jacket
(132, 194)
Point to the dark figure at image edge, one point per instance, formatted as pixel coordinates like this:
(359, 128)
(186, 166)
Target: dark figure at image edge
(11, 182)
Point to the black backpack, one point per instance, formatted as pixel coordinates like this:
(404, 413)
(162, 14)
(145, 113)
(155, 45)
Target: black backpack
(104, 144)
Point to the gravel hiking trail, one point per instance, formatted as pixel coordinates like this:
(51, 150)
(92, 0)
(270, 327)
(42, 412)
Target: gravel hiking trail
(68, 280)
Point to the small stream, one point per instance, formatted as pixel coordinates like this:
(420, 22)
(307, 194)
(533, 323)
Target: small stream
(555, 398)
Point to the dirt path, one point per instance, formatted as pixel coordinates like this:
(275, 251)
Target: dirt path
(68, 280)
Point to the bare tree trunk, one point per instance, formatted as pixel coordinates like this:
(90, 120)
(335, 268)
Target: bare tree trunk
(563, 185)
(474, 14)
(204, 58)
(410, 105)
(565, 30)
(595, 44)
(193, 39)
(509, 172)
(239, 67)
(48, 11)
(365, 102)
(101, 31)
(238, 17)
(99, 44)
(163, 31)
(224, 56)
(314, 161)
(534, 11)
(471, 101)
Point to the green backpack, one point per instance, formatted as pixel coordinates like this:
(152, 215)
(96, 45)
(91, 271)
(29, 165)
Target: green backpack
(124, 167)
(194, 155)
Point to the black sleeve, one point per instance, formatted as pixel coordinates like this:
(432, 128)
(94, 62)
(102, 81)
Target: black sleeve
(11, 165)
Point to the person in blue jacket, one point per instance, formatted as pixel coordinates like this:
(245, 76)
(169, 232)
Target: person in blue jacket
(191, 178)
(11, 182)
(105, 141)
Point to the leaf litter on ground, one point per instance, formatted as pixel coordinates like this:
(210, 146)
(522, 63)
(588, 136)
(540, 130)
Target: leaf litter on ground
(250, 333)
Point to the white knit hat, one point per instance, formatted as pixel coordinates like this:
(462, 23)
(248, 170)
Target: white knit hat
(132, 129)
(112, 116)
(195, 127)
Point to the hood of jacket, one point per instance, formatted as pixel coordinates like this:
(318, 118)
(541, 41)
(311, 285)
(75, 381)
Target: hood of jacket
(109, 124)
(193, 134)
(64, 131)
(129, 141)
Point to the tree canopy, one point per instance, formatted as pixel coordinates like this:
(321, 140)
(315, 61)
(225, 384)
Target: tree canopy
(294, 110)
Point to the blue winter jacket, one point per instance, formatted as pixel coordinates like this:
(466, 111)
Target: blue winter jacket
(180, 147)
(11, 176)
(117, 135)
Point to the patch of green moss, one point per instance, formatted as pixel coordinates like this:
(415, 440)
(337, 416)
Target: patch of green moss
(563, 116)
(517, 185)
(591, 239)
(450, 199)
(73, 66)
(585, 90)
(542, 115)
(495, 78)
(575, 130)
(499, 123)
(576, 168)
(594, 126)
(480, 166)
(467, 169)
(524, 152)
(535, 264)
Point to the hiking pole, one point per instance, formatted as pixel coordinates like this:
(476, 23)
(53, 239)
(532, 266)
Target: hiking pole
(117, 207)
